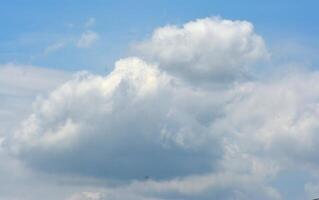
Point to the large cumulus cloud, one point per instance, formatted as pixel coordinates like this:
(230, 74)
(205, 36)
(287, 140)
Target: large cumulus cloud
(129, 124)
(152, 125)
(205, 50)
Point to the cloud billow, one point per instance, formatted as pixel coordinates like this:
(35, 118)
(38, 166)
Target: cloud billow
(205, 50)
(151, 124)
(119, 126)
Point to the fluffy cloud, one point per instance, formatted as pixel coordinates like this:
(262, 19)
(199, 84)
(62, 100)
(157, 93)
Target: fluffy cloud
(210, 186)
(277, 119)
(210, 49)
(151, 130)
(121, 125)
(19, 85)
(87, 39)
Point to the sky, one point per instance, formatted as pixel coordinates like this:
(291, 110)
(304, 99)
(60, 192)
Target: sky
(159, 100)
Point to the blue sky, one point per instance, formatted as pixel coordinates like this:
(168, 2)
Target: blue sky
(30, 27)
(159, 100)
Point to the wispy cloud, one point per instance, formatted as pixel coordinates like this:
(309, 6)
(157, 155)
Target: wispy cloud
(90, 22)
(87, 39)
(54, 47)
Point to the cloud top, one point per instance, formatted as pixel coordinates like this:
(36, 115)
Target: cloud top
(209, 49)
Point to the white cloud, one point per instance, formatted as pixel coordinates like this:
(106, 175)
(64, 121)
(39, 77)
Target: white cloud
(277, 119)
(90, 22)
(150, 131)
(209, 186)
(139, 121)
(205, 50)
(87, 39)
(19, 85)
(54, 47)
(136, 119)
(27, 78)
(87, 196)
